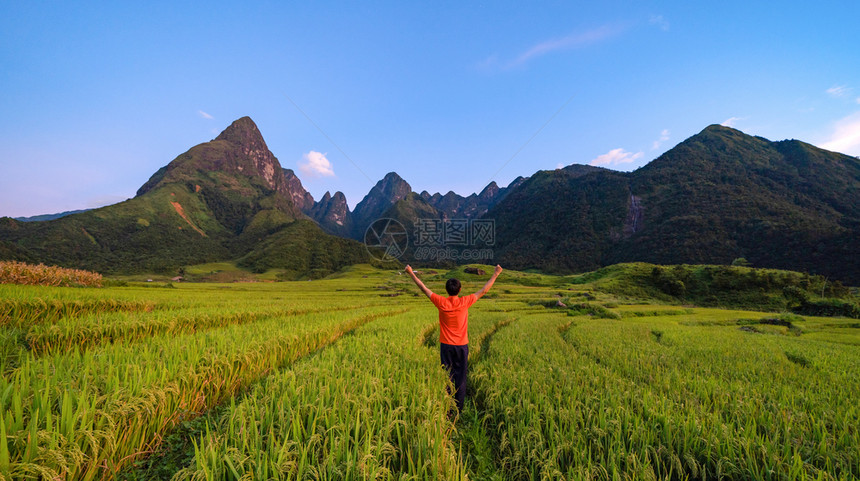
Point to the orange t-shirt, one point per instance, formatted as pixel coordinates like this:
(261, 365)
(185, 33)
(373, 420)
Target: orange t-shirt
(453, 318)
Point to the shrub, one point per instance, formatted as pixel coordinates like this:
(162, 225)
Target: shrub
(829, 307)
(790, 317)
(589, 309)
(740, 261)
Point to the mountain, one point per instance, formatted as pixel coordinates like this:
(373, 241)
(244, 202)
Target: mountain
(304, 250)
(380, 198)
(409, 211)
(227, 199)
(453, 206)
(236, 173)
(560, 215)
(392, 189)
(44, 217)
(332, 214)
(717, 196)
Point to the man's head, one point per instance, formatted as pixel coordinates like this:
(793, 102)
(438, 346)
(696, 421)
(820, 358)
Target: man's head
(453, 287)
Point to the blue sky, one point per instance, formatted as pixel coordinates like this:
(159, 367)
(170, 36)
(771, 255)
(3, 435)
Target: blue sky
(94, 98)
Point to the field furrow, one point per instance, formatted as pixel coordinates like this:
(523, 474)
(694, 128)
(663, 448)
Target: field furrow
(730, 384)
(477, 435)
(102, 408)
(371, 407)
(22, 313)
(90, 331)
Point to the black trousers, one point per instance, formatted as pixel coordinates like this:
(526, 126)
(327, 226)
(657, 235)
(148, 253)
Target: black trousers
(455, 359)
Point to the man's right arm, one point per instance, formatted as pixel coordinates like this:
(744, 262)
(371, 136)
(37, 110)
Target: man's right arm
(489, 283)
(427, 292)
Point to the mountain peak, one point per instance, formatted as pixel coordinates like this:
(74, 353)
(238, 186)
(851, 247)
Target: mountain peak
(241, 131)
(383, 195)
(716, 131)
(332, 214)
(719, 128)
(392, 179)
(393, 187)
(490, 190)
(578, 170)
(239, 152)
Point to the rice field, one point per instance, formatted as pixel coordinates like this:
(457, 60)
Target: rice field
(340, 379)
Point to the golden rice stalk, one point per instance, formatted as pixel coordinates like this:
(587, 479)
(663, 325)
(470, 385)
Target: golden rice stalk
(13, 272)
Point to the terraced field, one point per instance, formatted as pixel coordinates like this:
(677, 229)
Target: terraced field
(340, 379)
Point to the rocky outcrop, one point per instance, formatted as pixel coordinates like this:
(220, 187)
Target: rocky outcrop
(332, 214)
(380, 198)
(301, 198)
(453, 206)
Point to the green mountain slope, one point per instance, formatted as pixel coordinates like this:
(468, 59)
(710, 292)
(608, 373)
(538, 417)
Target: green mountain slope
(141, 234)
(717, 196)
(303, 249)
(220, 200)
(561, 220)
(407, 211)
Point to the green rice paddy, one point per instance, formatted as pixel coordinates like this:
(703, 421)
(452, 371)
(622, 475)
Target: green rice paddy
(340, 379)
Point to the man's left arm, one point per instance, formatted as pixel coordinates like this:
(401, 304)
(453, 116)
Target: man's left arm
(489, 283)
(427, 292)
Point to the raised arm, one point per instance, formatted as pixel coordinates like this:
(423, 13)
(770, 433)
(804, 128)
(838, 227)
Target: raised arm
(427, 292)
(489, 283)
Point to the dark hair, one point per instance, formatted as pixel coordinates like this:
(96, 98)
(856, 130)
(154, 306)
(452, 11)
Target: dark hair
(453, 287)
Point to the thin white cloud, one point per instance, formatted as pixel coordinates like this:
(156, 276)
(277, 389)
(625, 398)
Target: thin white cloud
(664, 136)
(845, 137)
(572, 41)
(731, 122)
(839, 91)
(316, 165)
(205, 115)
(858, 100)
(489, 62)
(559, 166)
(659, 21)
(616, 157)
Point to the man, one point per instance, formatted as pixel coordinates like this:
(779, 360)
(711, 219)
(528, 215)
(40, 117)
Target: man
(453, 328)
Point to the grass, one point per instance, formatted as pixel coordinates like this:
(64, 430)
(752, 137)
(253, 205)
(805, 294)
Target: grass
(339, 378)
